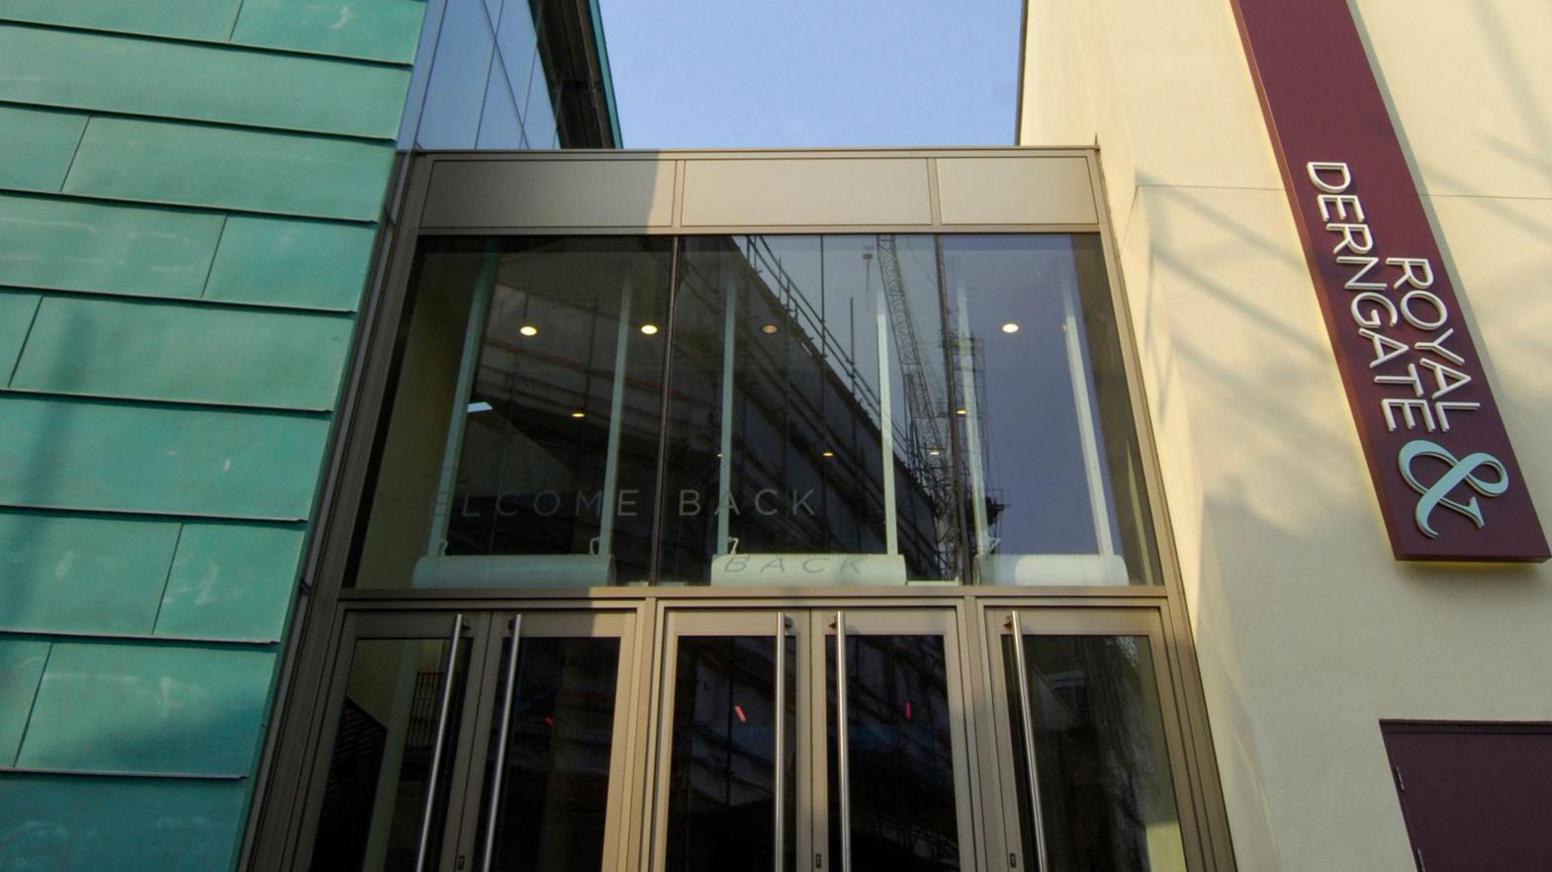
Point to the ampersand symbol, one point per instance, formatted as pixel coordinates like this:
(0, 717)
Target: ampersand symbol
(1461, 469)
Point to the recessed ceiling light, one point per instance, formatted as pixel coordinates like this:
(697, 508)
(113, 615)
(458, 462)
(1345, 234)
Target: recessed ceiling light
(827, 454)
(528, 330)
(961, 411)
(579, 414)
(769, 329)
(933, 452)
(649, 329)
(1010, 327)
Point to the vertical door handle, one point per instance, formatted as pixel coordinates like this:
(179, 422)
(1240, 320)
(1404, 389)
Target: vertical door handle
(843, 769)
(501, 747)
(1025, 710)
(436, 747)
(780, 723)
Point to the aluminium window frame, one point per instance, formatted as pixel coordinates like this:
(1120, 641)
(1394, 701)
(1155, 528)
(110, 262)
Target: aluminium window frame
(273, 824)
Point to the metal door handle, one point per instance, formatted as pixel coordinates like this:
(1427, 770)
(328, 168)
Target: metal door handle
(436, 748)
(1025, 710)
(780, 719)
(840, 737)
(501, 747)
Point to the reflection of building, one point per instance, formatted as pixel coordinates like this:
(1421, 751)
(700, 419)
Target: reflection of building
(304, 425)
(780, 341)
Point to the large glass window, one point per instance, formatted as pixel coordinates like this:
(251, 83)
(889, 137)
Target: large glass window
(759, 410)
(507, 75)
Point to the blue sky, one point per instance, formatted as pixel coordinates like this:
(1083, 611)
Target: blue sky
(738, 73)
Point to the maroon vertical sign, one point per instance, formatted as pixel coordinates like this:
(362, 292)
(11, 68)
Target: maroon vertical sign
(1445, 474)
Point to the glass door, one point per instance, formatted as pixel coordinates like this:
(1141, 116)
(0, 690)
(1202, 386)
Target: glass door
(897, 783)
(729, 755)
(548, 789)
(475, 742)
(394, 746)
(1090, 764)
(773, 752)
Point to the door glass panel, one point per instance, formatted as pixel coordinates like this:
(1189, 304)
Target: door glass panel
(555, 788)
(1107, 798)
(721, 791)
(380, 766)
(900, 761)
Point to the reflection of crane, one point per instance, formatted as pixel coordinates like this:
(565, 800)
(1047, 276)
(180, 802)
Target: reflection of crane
(924, 436)
(928, 452)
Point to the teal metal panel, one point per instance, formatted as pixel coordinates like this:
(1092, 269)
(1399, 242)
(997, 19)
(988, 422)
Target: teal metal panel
(161, 162)
(134, 76)
(35, 147)
(383, 29)
(230, 582)
(21, 665)
(132, 457)
(174, 351)
(292, 263)
(57, 243)
(82, 574)
(52, 823)
(174, 708)
(189, 19)
(16, 311)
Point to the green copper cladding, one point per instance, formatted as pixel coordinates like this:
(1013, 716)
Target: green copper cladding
(174, 708)
(195, 822)
(48, 242)
(188, 203)
(80, 573)
(230, 168)
(217, 84)
(37, 146)
(305, 264)
(179, 352)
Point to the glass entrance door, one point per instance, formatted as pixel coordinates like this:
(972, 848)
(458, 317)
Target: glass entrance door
(811, 739)
(1090, 760)
(727, 738)
(552, 747)
(897, 775)
(474, 741)
(394, 740)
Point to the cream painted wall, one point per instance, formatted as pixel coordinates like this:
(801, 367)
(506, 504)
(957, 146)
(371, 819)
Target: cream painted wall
(1308, 632)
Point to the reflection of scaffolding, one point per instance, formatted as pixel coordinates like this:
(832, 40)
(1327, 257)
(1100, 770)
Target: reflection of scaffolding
(922, 451)
(767, 265)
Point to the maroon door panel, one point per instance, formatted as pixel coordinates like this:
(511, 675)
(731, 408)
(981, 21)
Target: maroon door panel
(1476, 797)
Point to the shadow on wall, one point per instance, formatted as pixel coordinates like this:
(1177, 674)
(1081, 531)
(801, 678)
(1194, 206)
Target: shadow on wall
(1309, 630)
(38, 475)
(1531, 151)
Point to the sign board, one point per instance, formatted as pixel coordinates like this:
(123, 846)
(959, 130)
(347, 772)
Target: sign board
(1439, 456)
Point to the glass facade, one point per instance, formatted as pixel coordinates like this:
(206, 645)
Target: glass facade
(499, 74)
(874, 409)
(877, 494)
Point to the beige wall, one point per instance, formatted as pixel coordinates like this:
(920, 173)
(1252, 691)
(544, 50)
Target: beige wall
(1308, 631)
